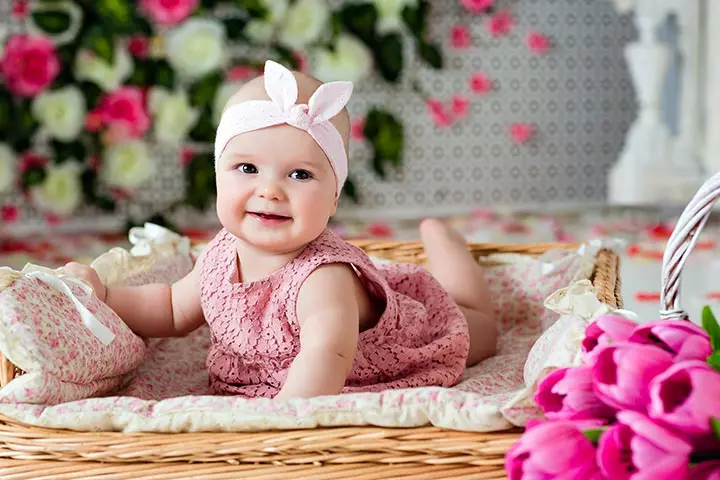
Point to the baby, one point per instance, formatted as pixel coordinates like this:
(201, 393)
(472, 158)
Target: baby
(293, 310)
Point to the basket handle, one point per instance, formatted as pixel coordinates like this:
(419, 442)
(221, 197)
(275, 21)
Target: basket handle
(681, 243)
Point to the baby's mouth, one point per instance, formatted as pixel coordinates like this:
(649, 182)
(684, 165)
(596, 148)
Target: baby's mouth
(268, 216)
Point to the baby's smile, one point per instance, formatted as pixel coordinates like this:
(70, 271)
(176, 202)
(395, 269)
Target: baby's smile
(269, 219)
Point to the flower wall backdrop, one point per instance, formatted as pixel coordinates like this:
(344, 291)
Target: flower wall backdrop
(108, 107)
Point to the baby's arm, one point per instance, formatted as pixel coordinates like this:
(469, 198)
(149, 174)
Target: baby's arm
(153, 310)
(327, 310)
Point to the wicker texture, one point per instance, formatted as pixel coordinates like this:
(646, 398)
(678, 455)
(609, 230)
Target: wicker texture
(324, 453)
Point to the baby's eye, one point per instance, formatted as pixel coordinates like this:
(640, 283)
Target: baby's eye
(300, 175)
(248, 168)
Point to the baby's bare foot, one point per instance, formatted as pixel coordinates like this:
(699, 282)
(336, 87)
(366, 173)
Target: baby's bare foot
(452, 265)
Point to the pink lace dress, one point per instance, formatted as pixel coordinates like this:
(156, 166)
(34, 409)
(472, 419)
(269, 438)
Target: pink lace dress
(421, 339)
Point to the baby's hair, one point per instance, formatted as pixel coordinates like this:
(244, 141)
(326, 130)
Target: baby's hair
(307, 85)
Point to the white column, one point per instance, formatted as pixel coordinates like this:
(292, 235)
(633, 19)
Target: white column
(710, 106)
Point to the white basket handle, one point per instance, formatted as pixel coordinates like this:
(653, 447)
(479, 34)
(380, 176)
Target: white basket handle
(681, 243)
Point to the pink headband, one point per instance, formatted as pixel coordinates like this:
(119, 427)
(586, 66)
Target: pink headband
(327, 101)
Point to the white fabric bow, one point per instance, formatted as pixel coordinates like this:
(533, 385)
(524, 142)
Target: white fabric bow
(62, 284)
(327, 101)
(145, 237)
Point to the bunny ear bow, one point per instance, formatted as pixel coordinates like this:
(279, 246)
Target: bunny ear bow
(327, 101)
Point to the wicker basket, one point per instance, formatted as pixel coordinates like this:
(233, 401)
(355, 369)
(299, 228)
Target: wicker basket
(324, 453)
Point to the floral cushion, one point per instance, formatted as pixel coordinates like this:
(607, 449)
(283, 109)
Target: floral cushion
(69, 344)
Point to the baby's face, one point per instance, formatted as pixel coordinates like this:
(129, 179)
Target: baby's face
(275, 189)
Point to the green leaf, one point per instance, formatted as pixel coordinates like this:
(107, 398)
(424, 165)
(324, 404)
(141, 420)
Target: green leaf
(286, 57)
(23, 126)
(350, 191)
(6, 112)
(200, 181)
(100, 42)
(163, 74)
(389, 57)
(117, 15)
(593, 435)
(415, 17)
(204, 130)
(361, 20)
(142, 74)
(33, 176)
(51, 22)
(92, 94)
(88, 180)
(65, 151)
(378, 166)
(714, 361)
(255, 8)
(710, 324)
(203, 93)
(386, 135)
(431, 54)
(235, 28)
(715, 425)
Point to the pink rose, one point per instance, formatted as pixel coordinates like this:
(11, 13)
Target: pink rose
(477, 6)
(706, 471)
(567, 394)
(168, 12)
(638, 448)
(29, 65)
(602, 331)
(685, 397)
(554, 449)
(357, 128)
(685, 340)
(123, 112)
(622, 374)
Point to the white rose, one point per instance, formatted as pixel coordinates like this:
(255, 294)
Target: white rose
(351, 61)
(222, 96)
(61, 191)
(304, 23)
(8, 167)
(390, 14)
(173, 115)
(61, 112)
(126, 165)
(196, 47)
(74, 13)
(89, 66)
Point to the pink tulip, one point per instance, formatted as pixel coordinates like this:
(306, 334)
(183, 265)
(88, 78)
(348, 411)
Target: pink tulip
(686, 397)
(622, 374)
(521, 132)
(604, 330)
(567, 394)
(29, 64)
(480, 83)
(637, 448)
(554, 449)
(706, 471)
(685, 340)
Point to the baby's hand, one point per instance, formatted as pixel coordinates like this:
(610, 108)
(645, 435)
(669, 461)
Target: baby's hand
(89, 275)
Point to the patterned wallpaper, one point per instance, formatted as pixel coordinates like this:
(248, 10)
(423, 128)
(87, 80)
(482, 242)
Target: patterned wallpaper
(578, 95)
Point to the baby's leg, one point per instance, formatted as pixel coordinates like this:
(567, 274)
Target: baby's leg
(457, 271)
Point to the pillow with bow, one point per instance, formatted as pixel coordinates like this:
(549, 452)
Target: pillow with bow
(68, 343)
